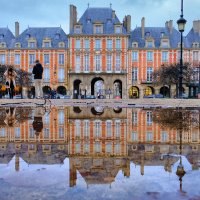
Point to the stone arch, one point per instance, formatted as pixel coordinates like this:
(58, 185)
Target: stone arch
(133, 92)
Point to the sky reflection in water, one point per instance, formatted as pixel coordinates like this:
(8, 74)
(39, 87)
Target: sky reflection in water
(75, 157)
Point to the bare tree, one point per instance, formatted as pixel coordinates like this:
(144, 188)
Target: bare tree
(168, 74)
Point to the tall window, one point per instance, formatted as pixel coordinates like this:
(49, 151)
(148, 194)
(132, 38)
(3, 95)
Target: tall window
(61, 117)
(77, 128)
(46, 133)
(61, 74)
(109, 62)
(109, 129)
(97, 44)
(109, 44)
(17, 132)
(134, 74)
(164, 136)
(149, 136)
(17, 59)
(61, 132)
(86, 44)
(46, 74)
(2, 58)
(109, 147)
(117, 128)
(134, 56)
(118, 62)
(134, 136)
(86, 130)
(2, 132)
(195, 56)
(61, 59)
(46, 59)
(149, 55)
(97, 129)
(46, 119)
(86, 148)
(117, 148)
(78, 148)
(31, 133)
(97, 147)
(134, 117)
(149, 118)
(86, 63)
(31, 59)
(98, 63)
(78, 43)
(118, 44)
(78, 64)
(165, 56)
(149, 74)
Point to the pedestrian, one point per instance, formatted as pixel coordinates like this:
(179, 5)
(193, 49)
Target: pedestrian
(38, 71)
(10, 75)
(38, 120)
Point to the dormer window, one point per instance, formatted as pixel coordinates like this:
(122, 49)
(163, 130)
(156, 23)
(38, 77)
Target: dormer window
(135, 45)
(165, 43)
(162, 34)
(28, 35)
(195, 45)
(88, 21)
(147, 34)
(98, 28)
(2, 45)
(31, 45)
(179, 44)
(17, 45)
(77, 29)
(118, 29)
(1, 36)
(57, 36)
(46, 43)
(61, 45)
(149, 43)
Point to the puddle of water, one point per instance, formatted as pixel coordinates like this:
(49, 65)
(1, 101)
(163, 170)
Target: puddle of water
(99, 153)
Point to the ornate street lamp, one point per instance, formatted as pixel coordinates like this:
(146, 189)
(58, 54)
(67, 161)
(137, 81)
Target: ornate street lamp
(181, 27)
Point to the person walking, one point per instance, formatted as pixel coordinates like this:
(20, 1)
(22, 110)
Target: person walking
(10, 75)
(38, 71)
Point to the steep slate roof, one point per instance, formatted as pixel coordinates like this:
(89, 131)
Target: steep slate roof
(155, 32)
(6, 36)
(40, 33)
(103, 15)
(191, 37)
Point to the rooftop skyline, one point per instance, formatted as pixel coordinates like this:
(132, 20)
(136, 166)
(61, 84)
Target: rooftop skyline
(46, 13)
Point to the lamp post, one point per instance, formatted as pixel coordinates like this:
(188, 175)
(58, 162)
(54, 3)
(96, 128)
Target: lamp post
(181, 26)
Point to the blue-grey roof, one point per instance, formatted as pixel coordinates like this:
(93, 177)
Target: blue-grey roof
(6, 36)
(155, 33)
(102, 15)
(56, 34)
(191, 38)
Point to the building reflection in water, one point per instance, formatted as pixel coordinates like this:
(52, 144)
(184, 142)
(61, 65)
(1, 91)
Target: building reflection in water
(99, 142)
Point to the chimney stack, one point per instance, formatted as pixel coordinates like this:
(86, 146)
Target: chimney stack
(16, 29)
(142, 26)
(196, 26)
(73, 17)
(170, 26)
(113, 14)
(128, 19)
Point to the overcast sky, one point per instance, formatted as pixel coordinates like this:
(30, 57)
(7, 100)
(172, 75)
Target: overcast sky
(54, 13)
